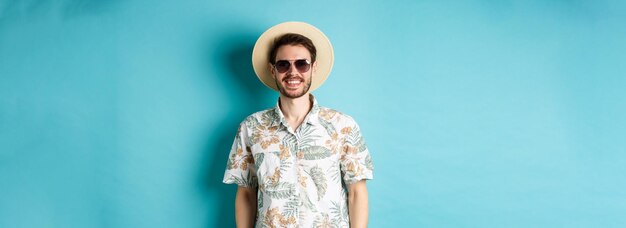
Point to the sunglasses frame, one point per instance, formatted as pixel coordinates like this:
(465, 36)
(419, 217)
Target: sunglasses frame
(308, 65)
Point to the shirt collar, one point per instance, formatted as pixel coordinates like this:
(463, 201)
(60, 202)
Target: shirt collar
(310, 118)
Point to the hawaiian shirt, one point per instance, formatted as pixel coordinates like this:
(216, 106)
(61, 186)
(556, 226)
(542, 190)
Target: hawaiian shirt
(300, 175)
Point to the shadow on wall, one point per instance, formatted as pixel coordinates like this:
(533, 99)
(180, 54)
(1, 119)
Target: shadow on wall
(65, 8)
(247, 95)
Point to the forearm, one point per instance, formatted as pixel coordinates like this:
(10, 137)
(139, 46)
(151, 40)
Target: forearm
(358, 206)
(245, 207)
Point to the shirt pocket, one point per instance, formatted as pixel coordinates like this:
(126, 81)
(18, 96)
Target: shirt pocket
(320, 163)
(320, 170)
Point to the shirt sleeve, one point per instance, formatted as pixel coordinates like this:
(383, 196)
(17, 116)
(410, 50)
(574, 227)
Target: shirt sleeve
(240, 167)
(356, 162)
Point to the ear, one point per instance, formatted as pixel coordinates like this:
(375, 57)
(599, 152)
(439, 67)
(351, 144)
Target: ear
(271, 67)
(314, 66)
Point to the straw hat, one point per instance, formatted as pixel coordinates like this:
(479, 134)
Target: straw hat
(324, 58)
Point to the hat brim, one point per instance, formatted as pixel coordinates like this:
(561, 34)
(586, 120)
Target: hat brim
(324, 57)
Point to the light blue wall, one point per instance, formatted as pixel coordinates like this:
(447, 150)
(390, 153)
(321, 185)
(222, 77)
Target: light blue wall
(477, 113)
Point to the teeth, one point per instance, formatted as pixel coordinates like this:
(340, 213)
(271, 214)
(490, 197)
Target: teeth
(293, 82)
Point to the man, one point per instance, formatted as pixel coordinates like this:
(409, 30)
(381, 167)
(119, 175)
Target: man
(298, 164)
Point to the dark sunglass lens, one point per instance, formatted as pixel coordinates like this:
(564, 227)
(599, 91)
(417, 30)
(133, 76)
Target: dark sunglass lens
(302, 65)
(282, 66)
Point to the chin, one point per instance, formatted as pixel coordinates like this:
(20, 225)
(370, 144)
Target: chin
(293, 95)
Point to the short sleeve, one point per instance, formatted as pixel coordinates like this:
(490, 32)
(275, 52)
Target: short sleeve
(356, 162)
(240, 167)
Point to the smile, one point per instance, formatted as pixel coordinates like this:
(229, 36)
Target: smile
(293, 82)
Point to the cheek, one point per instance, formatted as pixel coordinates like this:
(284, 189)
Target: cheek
(278, 76)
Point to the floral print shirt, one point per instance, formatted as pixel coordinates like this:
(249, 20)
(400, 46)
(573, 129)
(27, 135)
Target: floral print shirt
(300, 175)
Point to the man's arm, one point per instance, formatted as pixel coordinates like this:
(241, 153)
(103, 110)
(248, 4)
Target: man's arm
(245, 207)
(357, 204)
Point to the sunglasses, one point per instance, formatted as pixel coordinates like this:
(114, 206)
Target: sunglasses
(302, 65)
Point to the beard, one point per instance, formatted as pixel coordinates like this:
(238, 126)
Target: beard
(293, 93)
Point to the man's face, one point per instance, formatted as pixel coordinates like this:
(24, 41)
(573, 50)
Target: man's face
(293, 83)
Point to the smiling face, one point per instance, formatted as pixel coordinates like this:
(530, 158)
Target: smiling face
(292, 83)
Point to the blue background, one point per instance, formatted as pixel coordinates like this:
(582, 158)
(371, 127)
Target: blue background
(477, 113)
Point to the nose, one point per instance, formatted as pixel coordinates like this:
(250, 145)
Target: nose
(292, 68)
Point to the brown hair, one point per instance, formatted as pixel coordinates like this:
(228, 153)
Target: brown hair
(292, 39)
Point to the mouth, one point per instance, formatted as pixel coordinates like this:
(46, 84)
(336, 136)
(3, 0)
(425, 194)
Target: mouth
(293, 82)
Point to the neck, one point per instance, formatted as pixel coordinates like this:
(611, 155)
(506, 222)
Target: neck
(295, 109)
